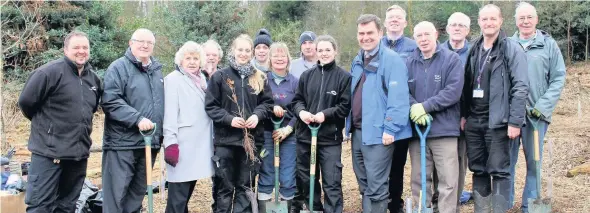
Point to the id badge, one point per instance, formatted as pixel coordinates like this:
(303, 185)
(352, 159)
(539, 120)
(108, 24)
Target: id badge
(478, 93)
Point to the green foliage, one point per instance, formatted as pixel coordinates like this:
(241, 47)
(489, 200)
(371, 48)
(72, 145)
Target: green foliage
(178, 22)
(33, 34)
(286, 11)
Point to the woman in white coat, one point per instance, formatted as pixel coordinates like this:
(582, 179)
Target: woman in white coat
(187, 128)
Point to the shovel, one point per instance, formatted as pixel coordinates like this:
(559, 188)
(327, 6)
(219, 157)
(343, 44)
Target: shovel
(422, 205)
(538, 205)
(277, 206)
(147, 137)
(312, 159)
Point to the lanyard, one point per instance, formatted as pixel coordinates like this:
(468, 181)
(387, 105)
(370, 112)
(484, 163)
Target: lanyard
(481, 66)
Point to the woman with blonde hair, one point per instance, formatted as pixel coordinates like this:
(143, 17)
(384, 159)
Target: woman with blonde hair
(283, 86)
(187, 128)
(238, 98)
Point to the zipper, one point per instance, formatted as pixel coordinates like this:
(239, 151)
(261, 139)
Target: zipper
(81, 98)
(321, 91)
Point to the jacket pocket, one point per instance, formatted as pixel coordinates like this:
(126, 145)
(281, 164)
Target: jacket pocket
(338, 172)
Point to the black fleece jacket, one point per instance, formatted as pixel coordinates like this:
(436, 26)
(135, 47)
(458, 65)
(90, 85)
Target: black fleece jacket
(222, 109)
(323, 89)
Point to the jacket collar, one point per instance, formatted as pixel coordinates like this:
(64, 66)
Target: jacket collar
(153, 66)
(459, 51)
(328, 66)
(417, 54)
(72, 65)
(539, 39)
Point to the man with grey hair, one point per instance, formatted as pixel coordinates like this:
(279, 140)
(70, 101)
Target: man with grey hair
(493, 109)
(379, 115)
(133, 101)
(213, 55)
(60, 99)
(437, 106)
(457, 29)
(395, 23)
(546, 74)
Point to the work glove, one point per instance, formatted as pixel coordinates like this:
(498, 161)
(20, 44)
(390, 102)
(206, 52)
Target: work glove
(423, 120)
(417, 111)
(171, 154)
(535, 113)
(282, 133)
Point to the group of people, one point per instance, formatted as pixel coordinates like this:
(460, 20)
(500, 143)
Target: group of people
(480, 99)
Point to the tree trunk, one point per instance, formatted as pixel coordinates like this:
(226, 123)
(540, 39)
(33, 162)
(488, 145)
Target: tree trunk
(586, 44)
(143, 6)
(569, 39)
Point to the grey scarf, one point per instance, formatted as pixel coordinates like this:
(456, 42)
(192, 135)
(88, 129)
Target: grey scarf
(244, 70)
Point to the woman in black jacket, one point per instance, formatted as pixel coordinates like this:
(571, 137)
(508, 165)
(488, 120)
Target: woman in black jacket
(323, 97)
(238, 97)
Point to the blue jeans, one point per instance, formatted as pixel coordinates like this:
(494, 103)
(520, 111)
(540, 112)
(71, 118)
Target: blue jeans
(527, 136)
(266, 178)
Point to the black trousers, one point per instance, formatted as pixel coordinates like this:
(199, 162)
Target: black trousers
(178, 196)
(301, 198)
(54, 187)
(329, 161)
(233, 179)
(396, 176)
(488, 151)
(124, 179)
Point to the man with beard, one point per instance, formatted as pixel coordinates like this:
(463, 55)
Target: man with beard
(60, 99)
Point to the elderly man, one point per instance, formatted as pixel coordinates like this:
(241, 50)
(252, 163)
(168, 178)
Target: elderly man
(395, 23)
(457, 29)
(546, 75)
(379, 116)
(133, 101)
(493, 109)
(60, 99)
(308, 57)
(213, 55)
(445, 71)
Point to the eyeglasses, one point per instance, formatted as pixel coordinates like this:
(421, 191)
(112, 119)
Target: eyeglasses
(524, 18)
(458, 25)
(143, 42)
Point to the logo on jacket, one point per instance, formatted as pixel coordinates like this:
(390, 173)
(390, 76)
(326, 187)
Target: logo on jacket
(437, 78)
(93, 88)
(332, 92)
(279, 96)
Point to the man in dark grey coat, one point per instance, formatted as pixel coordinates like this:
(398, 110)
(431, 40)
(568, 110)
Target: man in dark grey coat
(493, 109)
(60, 99)
(133, 101)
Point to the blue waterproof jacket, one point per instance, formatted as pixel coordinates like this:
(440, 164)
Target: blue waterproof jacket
(385, 104)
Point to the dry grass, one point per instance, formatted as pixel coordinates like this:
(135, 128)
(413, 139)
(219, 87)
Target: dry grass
(569, 133)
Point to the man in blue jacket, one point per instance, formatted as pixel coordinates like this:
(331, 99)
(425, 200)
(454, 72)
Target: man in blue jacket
(546, 80)
(379, 115)
(435, 82)
(395, 23)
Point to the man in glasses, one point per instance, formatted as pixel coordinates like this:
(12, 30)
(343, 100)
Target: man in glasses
(546, 76)
(457, 29)
(133, 101)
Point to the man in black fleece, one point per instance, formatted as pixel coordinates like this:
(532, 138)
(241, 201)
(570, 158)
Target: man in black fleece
(329, 105)
(60, 99)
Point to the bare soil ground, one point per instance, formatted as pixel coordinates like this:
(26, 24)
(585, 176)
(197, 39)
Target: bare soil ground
(569, 132)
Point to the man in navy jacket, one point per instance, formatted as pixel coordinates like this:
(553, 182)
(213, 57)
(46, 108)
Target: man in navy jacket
(435, 82)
